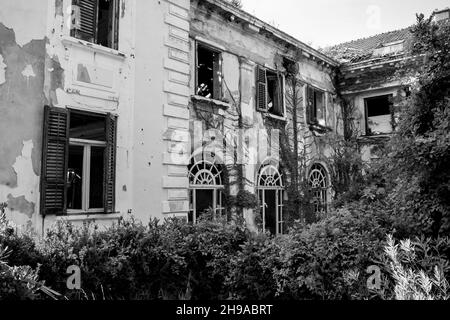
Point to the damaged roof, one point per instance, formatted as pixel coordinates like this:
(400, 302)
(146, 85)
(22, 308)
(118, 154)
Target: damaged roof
(378, 47)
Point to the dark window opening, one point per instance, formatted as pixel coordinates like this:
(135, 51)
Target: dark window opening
(378, 114)
(96, 21)
(208, 73)
(86, 163)
(316, 107)
(75, 178)
(270, 212)
(96, 191)
(269, 92)
(274, 94)
(87, 127)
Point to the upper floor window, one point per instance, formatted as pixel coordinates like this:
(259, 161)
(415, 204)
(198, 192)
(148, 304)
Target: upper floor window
(208, 73)
(316, 107)
(378, 111)
(96, 21)
(270, 92)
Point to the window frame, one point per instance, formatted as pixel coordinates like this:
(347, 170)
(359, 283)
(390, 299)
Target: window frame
(275, 184)
(217, 189)
(74, 32)
(366, 114)
(85, 190)
(311, 110)
(200, 44)
(55, 161)
(282, 78)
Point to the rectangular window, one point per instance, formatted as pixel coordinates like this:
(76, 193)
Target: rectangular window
(78, 172)
(96, 21)
(270, 92)
(378, 115)
(316, 109)
(208, 72)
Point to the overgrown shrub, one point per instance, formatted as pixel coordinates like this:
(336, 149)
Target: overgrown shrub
(414, 275)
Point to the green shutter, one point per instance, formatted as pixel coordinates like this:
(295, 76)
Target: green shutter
(110, 164)
(86, 17)
(261, 89)
(54, 161)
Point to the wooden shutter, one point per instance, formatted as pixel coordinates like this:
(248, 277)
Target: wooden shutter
(310, 105)
(217, 76)
(54, 161)
(280, 94)
(116, 24)
(86, 16)
(110, 164)
(261, 89)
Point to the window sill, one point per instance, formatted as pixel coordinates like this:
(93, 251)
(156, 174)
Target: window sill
(217, 103)
(319, 128)
(273, 116)
(90, 217)
(71, 41)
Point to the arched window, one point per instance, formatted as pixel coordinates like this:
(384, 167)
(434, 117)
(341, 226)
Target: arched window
(271, 198)
(206, 188)
(319, 184)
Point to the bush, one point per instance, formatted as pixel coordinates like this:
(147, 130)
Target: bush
(412, 281)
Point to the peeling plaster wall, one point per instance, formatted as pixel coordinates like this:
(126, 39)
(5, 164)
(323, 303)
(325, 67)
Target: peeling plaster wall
(22, 69)
(40, 64)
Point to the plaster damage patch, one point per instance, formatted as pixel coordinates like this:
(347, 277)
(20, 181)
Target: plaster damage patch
(28, 72)
(2, 71)
(21, 204)
(24, 196)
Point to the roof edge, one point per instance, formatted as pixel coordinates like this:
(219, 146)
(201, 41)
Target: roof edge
(241, 14)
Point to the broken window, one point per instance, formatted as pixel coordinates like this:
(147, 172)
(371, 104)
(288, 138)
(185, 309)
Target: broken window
(209, 72)
(78, 162)
(378, 114)
(316, 108)
(270, 91)
(96, 21)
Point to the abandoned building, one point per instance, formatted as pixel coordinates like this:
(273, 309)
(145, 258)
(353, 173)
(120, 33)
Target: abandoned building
(176, 108)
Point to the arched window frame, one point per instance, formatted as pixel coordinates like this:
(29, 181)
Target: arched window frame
(270, 179)
(205, 175)
(319, 181)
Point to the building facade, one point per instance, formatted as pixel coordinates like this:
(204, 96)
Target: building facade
(170, 108)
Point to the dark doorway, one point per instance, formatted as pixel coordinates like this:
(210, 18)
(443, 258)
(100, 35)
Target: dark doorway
(204, 201)
(270, 214)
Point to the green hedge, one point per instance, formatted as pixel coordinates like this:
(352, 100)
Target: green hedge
(219, 260)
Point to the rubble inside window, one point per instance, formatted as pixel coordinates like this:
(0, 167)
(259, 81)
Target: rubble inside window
(208, 73)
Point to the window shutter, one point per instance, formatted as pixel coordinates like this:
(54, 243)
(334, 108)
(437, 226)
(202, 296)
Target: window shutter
(116, 24)
(310, 105)
(261, 89)
(217, 72)
(85, 16)
(110, 163)
(54, 161)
